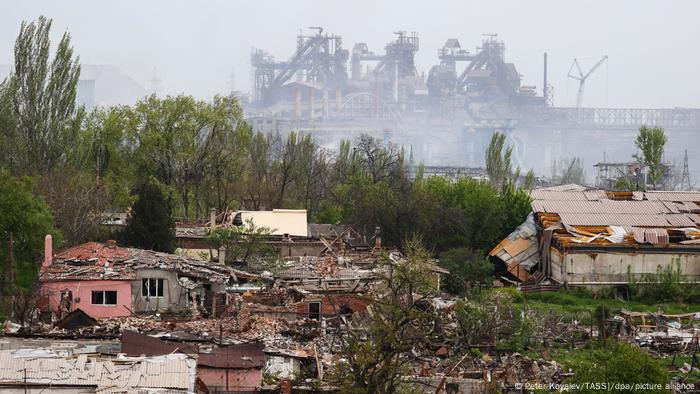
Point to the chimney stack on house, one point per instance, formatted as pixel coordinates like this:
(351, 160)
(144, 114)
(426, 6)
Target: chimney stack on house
(48, 250)
(377, 238)
(212, 219)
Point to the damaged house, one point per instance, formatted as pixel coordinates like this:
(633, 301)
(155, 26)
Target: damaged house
(290, 234)
(106, 280)
(592, 237)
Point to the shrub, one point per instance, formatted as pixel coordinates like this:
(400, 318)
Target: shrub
(467, 269)
(494, 319)
(616, 363)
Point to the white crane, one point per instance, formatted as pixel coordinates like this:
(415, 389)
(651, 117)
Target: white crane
(581, 77)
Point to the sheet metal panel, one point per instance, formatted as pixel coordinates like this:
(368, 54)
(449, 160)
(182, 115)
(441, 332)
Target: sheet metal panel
(598, 219)
(604, 206)
(550, 195)
(673, 196)
(172, 371)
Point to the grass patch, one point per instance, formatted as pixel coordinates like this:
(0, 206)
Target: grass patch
(582, 302)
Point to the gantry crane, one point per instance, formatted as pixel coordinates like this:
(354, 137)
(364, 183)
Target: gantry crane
(581, 77)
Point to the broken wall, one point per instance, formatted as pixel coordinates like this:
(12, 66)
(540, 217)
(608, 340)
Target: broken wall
(610, 268)
(282, 367)
(227, 379)
(81, 291)
(174, 296)
(333, 304)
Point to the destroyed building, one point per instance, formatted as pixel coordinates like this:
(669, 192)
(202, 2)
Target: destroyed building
(233, 368)
(592, 237)
(290, 234)
(106, 280)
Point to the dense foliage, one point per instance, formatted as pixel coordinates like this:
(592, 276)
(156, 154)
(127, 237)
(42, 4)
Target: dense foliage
(24, 221)
(619, 366)
(171, 158)
(468, 268)
(151, 224)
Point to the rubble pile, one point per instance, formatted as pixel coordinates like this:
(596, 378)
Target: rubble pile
(516, 368)
(661, 332)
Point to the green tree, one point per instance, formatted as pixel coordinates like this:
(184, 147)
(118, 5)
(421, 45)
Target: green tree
(172, 140)
(493, 319)
(462, 213)
(7, 122)
(498, 162)
(370, 187)
(529, 182)
(616, 363)
(24, 222)
(651, 141)
(151, 225)
(377, 352)
(245, 244)
(467, 269)
(228, 166)
(44, 122)
(204, 151)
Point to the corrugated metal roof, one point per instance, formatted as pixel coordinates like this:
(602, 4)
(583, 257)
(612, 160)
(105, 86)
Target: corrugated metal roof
(602, 206)
(650, 235)
(673, 196)
(174, 371)
(592, 207)
(137, 344)
(608, 219)
(248, 355)
(551, 195)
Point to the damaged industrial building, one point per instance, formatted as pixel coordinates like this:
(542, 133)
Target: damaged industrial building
(579, 236)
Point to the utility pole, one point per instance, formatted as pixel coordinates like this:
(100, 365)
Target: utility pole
(155, 82)
(685, 178)
(545, 93)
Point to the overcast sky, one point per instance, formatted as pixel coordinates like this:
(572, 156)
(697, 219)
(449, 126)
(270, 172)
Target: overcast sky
(195, 45)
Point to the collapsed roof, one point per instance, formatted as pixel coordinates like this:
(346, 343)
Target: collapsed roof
(600, 217)
(578, 217)
(107, 261)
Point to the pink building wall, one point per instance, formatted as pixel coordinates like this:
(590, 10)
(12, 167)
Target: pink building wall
(82, 296)
(238, 379)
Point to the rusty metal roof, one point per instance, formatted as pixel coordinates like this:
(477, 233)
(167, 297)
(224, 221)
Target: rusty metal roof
(650, 235)
(592, 207)
(247, 355)
(619, 219)
(137, 344)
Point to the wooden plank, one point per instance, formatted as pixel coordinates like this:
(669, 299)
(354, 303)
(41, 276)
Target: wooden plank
(517, 246)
